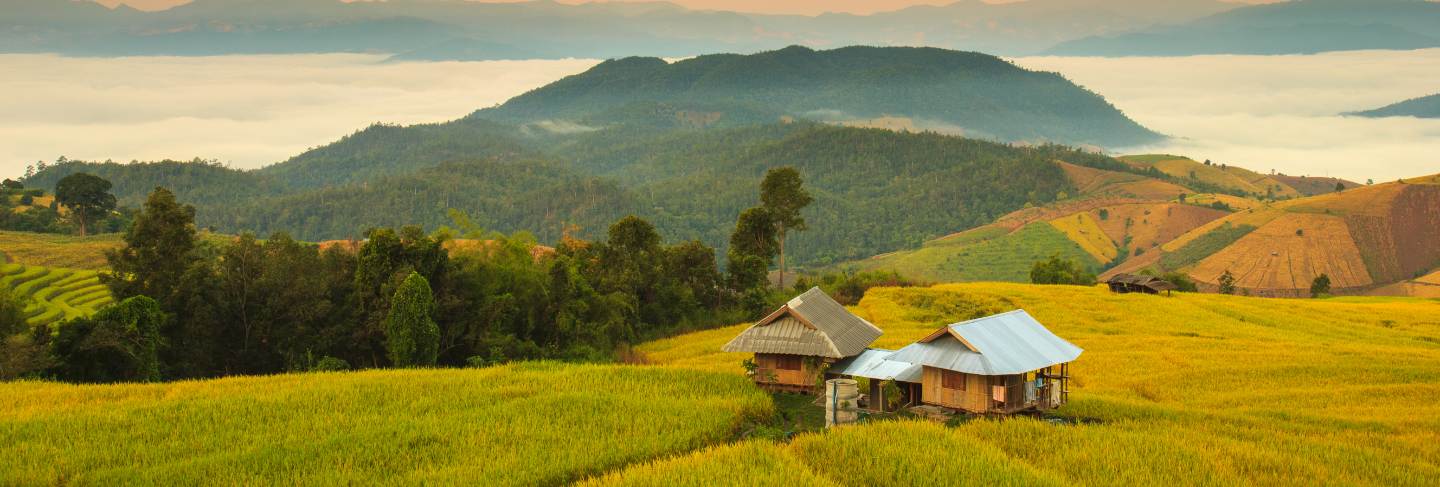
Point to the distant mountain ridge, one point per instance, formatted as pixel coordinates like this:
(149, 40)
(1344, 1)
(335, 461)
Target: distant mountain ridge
(419, 30)
(1421, 107)
(1293, 27)
(971, 93)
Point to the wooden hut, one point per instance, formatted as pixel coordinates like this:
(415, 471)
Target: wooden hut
(1134, 283)
(999, 364)
(794, 344)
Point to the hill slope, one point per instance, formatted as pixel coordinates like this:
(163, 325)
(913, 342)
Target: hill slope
(978, 94)
(1186, 390)
(1362, 238)
(1422, 107)
(1295, 27)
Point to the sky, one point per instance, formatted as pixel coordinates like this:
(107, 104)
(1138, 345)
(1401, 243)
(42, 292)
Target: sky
(1258, 112)
(804, 7)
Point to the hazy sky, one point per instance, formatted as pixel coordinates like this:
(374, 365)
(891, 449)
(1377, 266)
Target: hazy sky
(765, 6)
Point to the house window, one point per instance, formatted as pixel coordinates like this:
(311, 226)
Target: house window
(952, 380)
(787, 362)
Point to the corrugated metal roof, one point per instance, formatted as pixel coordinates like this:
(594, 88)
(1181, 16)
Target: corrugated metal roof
(1007, 343)
(849, 333)
(837, 333)
(785, 335)
(874, 363)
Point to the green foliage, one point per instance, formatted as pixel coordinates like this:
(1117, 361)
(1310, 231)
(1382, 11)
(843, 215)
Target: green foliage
(1061, 271)
(120, 343)
(1204, 245)
(412, 337)
(783, 195)
(1227, 283)
(330, 364)
(1320, 287)
(848, 287)
(156, 252)
(86, 196)
(991, 254)
(1182, 282)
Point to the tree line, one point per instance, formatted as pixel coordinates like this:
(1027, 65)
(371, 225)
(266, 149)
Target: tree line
(460, 296)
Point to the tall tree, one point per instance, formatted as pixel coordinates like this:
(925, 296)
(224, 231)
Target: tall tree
(87, 196)
(120, 343)
(156, 252)
(783, 195)
(1227, 282)
(753, 245)
(412, 337)
(1320, 287)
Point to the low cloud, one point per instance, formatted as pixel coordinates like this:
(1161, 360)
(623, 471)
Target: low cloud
(1275, 112)
(245, 110)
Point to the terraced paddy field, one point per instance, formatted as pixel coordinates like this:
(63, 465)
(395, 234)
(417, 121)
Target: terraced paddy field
(1193, 389)
(54, 294)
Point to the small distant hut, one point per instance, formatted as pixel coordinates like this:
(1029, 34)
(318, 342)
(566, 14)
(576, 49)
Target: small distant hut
(793, 345)
(1134, 283)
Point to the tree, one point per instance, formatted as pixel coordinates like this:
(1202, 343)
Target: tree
(783, 195)
(1320, 286)
(412, 337)
(156, 252)
(12, 184)
(753, 245)
(1339, 186)
(1227, 283)
(1061, 271)
(120, 343)
(86, 196)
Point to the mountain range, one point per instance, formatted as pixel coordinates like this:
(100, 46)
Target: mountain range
(1420, 107)
(418, 30)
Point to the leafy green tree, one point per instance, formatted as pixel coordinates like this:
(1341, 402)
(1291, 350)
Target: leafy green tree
(1056, 270)
(412, 337)
(386, 259)
(783, 195)
(1320, 287)
(1227, 283)
(157, 250)
(86, 196)
(753, 245)
(120, 343)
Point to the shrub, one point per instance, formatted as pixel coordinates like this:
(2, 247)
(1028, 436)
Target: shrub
(1061, 271)
(330, 364)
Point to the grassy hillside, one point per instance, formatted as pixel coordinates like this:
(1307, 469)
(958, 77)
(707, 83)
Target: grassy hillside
(54, 294)
(526, 424)
(55, 250)
(1216, 177)
(1191, 389)
(991, 253)
(1421, 107)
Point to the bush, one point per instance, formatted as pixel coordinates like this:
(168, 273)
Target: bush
(27, 200)
(330, 364)
(1061, 271)
(848, 287)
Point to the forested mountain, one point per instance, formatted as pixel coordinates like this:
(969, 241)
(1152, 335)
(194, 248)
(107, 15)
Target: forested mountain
(1422, 107)
(977, 94)
(463, 30)
(875, 190)
(1294, 27)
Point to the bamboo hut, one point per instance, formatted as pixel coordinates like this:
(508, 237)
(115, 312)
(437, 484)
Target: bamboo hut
(795, 344)
(1133, 283)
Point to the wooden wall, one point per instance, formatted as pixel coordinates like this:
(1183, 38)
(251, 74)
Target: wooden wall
(768, 364)
(975, 398)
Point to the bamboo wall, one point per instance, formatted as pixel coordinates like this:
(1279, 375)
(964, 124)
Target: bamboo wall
(768, 364)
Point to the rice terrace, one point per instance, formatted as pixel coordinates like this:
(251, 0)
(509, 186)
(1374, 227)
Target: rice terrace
(720, 243)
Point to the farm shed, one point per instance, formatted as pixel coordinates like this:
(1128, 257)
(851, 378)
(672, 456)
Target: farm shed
(1133, 283)
(1001, 364)
(793, 344)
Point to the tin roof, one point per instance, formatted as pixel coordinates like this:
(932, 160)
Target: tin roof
(811, 324)
(1003, 344)
(874, 363)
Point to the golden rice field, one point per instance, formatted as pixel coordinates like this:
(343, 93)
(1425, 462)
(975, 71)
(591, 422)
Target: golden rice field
(526, 424)
(1194, 389)
(55, 250)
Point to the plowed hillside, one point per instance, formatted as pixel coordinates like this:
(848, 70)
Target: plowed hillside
(1150, 225)
(1236, 203)
(1287, 254)
(1098, 182)
(1362, 238)
(1229, 177)
(1082, 229)
(1314, 185)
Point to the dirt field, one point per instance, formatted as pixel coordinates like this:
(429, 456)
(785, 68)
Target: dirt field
(1151, 225)
(1091, 181)
(1225, 176)
(1288, 253)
